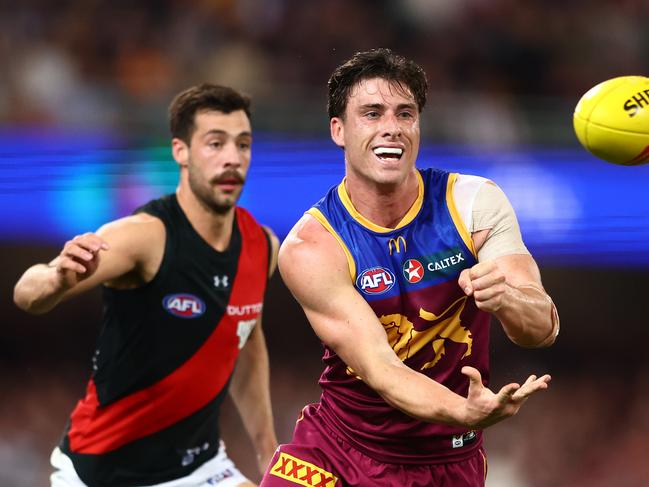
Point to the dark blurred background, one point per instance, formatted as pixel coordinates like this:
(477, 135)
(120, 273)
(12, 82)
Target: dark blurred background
(83, 139)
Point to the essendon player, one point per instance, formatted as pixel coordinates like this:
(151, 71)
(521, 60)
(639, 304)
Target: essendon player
(183, 283)
(397, 270)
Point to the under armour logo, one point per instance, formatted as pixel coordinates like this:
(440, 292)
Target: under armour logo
(221, 281)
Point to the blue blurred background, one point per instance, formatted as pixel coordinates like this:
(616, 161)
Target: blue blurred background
(56, 184)
(83, 140)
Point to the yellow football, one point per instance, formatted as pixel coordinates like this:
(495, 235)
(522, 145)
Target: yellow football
(611, 120)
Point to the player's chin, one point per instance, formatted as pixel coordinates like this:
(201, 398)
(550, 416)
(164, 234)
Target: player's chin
(224, 203)
(391, 173)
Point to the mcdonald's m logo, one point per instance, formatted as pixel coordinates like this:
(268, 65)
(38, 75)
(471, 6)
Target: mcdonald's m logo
(397, 244)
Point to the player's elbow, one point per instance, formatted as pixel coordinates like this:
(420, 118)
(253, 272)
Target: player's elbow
(25, 301)
(22, 301)
(549, 340)
(534, 343)
(540, 339)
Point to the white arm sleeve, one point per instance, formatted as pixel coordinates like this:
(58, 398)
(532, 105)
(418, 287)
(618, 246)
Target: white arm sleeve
(484, 206)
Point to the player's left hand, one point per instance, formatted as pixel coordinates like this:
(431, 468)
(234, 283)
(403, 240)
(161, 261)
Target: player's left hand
(485, 407)
(486, 282)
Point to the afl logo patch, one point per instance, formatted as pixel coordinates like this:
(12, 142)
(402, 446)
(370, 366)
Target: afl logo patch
(376, 280)
(413, 271)
(183, 305)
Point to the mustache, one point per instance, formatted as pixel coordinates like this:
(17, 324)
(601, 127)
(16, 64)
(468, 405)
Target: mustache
(229, 176)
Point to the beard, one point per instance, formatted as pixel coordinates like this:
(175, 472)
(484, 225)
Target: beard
(209, 197)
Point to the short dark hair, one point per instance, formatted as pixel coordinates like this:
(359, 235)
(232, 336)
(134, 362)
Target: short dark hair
(206, 96)
(375, 63)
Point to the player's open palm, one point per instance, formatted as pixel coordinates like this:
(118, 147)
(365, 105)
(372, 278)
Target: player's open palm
(485, 407)
(79, 258)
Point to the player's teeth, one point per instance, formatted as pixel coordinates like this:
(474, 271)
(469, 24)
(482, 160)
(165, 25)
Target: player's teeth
(381, 151)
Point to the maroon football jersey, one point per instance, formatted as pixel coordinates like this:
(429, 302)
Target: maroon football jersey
(408, 275)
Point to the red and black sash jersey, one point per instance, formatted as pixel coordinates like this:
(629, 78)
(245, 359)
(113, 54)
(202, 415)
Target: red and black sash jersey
(165, 356)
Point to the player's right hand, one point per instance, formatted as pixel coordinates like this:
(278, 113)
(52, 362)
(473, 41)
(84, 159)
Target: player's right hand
(485, 408)
(79, 258)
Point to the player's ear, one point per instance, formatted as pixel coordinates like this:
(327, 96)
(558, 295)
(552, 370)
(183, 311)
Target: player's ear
(337, 129)
(180, 151)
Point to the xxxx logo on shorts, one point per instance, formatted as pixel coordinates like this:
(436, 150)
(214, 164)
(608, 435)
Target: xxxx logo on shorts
(300, 472)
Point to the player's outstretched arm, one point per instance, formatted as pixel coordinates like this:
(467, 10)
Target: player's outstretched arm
(510, 288)
(123, 248)
(315, 269)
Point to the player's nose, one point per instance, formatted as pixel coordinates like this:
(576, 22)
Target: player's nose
(390, 126)
(232, 156)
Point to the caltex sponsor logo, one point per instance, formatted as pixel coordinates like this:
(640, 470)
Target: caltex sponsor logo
(413, 271)
(450, 261)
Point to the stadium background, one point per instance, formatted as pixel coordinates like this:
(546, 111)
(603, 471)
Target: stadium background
(83, 139)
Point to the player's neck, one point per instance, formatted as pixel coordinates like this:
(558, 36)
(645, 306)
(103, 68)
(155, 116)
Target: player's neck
(214, 228)
(383, 205)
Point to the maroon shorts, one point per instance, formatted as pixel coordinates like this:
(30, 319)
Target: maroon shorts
(317, 457)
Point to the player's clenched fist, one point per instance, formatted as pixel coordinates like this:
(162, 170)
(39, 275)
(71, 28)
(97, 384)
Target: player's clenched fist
(486, 283)
(79, 258)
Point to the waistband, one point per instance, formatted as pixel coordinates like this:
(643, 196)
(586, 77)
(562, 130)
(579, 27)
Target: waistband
(437, 450)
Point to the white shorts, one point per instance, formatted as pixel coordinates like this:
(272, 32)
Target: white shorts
(219, 471)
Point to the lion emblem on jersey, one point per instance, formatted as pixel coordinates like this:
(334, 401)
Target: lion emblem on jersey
(406, 341)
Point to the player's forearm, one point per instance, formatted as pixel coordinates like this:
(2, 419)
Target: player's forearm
(529, 317)
(39, 289)
(418, 396)
(250, 392)
(256, 413)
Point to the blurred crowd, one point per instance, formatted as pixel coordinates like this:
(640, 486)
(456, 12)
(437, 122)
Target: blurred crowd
(566, 437)
(497, 68)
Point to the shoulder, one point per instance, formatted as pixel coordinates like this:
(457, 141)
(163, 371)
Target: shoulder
(308, 236)
(273, 250)
(467, 186)
(137, 224)
(250, 228)
(476, 194)
(136, 235)
(310, 256)
(490, 197)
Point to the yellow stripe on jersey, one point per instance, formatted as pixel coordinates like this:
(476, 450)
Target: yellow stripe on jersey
(484, 463)
(408, 217)
(317, 214)
(455, 215)
(300, 472)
